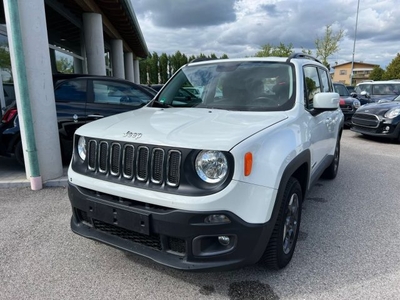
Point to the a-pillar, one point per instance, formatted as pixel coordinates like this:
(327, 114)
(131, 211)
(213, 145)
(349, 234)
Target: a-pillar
(136, 71)
(29, 51)
(117, 59)
(78, 66)
(129, 75)
(94, 43)
(53, 61)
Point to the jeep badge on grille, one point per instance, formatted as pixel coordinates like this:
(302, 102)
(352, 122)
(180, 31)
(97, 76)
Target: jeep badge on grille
(133, 135)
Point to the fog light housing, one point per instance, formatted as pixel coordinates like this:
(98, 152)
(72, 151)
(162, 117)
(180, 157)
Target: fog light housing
(224, 240)
(212, 245)
(215, 219)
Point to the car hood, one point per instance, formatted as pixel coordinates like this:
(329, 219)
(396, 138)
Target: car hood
(378, 108)
(182, 127)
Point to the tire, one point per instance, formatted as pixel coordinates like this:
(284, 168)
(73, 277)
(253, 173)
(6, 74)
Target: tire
(19, 153)
(331, 171)
(283, 240)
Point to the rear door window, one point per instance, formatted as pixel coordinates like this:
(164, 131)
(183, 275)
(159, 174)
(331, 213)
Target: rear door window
(107, 92)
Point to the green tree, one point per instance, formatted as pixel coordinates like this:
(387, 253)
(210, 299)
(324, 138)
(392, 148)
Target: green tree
(328, 44)
(163, 65)
(177, 60)
(64, 65)
(5, 60)
(224, 56)
(393, 69)
(376, 73)
(306, 51)
(153, 68)
(143, 70)
(270, 50)
(191, 57)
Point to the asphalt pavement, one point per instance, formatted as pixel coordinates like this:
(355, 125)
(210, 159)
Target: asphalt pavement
(348, 246)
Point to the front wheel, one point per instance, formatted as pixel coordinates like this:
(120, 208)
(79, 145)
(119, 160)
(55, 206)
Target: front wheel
(283, 240)
(331, 171)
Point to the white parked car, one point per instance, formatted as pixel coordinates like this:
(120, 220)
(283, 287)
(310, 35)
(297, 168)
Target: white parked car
(215, 181)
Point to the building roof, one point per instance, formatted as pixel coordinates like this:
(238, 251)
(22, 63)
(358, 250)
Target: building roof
(356, 62)
(64, 23)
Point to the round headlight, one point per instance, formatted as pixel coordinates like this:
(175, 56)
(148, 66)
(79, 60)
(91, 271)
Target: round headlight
(356, 104)
(393, 113)
(82, 148)
(211, 166)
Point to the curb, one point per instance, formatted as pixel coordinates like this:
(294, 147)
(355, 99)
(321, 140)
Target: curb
(58, 182)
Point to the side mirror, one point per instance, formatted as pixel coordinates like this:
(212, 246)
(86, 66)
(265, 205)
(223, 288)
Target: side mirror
(326, 101)
(353, 94)
(364, 94)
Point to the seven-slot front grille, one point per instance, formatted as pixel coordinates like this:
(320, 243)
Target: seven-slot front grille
(135, 162)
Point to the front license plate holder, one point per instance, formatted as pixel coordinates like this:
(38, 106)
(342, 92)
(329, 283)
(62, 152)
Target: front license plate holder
(130, 220)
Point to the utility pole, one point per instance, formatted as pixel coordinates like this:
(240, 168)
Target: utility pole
(354, 45)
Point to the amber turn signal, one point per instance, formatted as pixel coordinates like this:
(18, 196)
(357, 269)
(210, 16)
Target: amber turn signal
(248, 163)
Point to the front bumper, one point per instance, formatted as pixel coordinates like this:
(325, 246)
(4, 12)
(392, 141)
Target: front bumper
(386, 128)
(175, 238)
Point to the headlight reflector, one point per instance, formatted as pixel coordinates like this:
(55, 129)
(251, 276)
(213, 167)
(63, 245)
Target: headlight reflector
(356, 104)
(82, 148)
(393, 113)
(211, 166)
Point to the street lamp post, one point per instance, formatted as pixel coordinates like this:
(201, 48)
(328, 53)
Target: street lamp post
(354, 45)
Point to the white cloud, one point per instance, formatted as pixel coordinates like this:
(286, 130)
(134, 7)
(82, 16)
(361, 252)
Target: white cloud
(239, 28)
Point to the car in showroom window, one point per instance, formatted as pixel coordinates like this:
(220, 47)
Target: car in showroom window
(79, 100)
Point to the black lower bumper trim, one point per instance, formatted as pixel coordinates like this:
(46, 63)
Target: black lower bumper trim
(175, 238)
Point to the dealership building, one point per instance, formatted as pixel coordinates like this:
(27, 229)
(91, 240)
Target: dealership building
(99, 37)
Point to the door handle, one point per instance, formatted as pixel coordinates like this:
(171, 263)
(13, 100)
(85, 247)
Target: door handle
(95, 116)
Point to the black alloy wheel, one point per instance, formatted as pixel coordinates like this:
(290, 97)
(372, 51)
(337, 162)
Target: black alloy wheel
(283, 240)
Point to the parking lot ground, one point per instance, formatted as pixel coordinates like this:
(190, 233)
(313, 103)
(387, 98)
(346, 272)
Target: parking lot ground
(13, 175)
(348, 246)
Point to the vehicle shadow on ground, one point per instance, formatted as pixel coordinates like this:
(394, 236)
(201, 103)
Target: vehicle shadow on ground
(237, 284)
(377, 139)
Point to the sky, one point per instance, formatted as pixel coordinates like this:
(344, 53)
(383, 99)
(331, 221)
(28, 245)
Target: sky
(240, 28)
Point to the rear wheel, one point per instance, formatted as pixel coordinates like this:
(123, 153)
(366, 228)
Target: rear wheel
(283, 240)
(19, 153)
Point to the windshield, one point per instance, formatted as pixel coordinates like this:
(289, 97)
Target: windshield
(242, 86)
(379, 89)
(341, 90)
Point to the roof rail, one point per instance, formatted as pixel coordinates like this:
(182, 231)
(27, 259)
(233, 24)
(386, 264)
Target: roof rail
(202, 59)
(302, 55)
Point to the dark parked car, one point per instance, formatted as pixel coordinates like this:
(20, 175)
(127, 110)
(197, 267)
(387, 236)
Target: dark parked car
(378, 119)
(79, 100)
(350, 88)
(157, 87)
(348, 104)
(9, 96)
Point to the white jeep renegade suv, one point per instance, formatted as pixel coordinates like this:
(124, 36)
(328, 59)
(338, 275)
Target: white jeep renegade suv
(214, 179)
